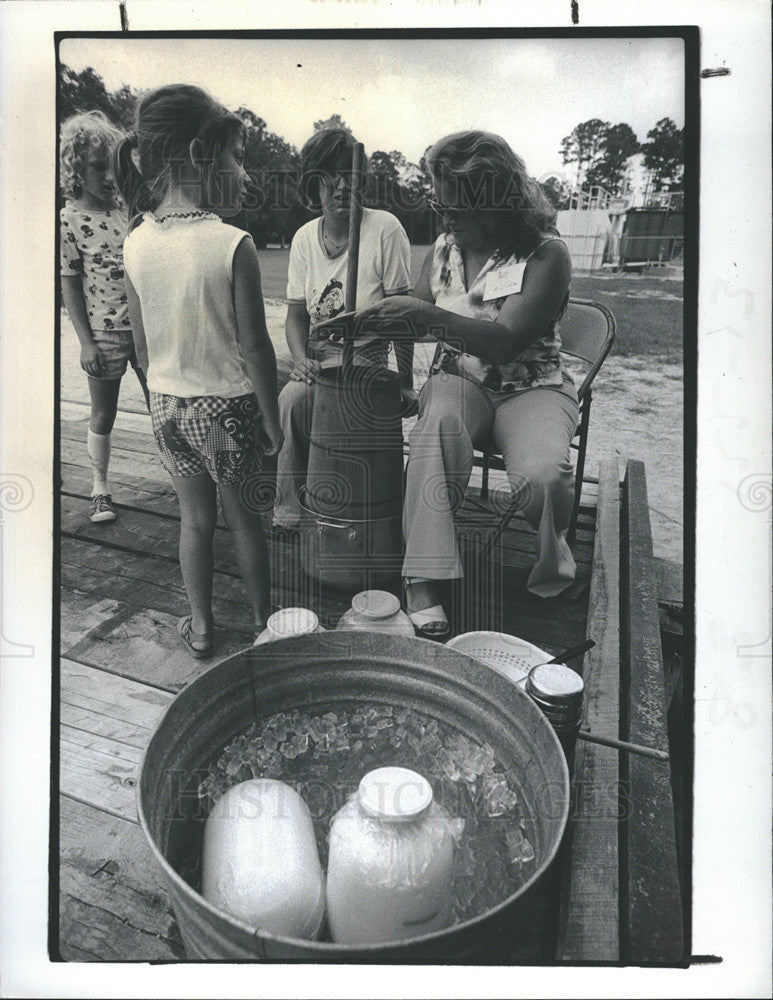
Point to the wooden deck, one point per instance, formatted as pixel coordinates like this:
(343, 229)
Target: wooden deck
(122, 663)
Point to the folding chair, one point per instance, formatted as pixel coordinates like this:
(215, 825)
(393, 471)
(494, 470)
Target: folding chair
(587, 333)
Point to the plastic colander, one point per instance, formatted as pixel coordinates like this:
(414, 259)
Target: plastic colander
(507, 654)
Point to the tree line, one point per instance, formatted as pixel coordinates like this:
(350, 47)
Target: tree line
(275, 209)
(600, 153)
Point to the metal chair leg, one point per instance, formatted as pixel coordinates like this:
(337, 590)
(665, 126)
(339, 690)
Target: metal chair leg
(580, 470)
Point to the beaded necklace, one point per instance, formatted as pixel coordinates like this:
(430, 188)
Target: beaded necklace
(184, 215)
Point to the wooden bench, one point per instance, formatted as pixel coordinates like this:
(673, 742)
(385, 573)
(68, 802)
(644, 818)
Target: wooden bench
(622, 899)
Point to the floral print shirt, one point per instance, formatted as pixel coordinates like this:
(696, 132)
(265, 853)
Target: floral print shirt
(91, 245)
(538, 365)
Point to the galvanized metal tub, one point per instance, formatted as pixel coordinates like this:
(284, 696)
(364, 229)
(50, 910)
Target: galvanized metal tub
(307, 672)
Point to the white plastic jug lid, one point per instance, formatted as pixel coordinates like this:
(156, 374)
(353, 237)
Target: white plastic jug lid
(375, 604)
(395, 794)
(555, 680)
(292, 621)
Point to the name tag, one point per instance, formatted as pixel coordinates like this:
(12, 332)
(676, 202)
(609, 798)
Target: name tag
(503, 281)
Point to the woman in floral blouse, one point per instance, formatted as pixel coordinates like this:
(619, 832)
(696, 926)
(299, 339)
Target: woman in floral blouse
(492, 291)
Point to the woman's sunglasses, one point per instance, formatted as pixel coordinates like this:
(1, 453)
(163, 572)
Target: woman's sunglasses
(446, 211)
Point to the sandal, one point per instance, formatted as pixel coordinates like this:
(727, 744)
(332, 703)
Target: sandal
(431, 623)
(198, 645)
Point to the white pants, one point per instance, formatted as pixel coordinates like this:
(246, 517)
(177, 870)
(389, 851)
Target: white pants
(532, 429)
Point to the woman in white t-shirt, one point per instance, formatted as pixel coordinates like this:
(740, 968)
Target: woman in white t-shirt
(316, 283)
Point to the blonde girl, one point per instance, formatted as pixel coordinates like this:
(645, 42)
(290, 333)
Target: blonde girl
(93, 228)
(193, 285)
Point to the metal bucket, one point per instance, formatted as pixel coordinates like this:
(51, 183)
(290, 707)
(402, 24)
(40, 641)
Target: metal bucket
(355, 466)
(309, 672)
(348, 553)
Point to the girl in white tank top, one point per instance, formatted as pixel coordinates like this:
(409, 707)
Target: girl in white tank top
(193, 287)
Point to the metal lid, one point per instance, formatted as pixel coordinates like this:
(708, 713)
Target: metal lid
(375, 604)
(554, 682)
(292, 621)
(395, 794)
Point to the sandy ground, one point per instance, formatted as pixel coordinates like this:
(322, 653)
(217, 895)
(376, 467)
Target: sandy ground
(637, 413)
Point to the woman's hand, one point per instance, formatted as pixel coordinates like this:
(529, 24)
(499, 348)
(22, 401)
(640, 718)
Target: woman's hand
(92, 360)
(306, 370)
(389, 310)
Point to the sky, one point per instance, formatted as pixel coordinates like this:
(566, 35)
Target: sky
(406, 93)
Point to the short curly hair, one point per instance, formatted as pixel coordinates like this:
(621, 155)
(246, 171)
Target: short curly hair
(79, 135)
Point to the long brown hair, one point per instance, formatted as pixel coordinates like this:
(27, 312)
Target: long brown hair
(167, 120)
(487, 175)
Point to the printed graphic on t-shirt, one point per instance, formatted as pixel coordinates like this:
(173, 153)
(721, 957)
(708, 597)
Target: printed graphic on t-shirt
(329, 304)
(92, 246)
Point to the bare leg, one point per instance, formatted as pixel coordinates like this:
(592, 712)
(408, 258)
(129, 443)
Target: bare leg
(104, 405)
(198, 515)
(251, 551)
(296, 402)
(421, 594)
(533, 431)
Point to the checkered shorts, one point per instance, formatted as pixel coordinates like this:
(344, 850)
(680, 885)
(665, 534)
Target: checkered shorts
(208, 434)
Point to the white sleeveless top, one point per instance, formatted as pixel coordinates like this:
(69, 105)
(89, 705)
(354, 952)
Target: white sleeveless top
(182, 271)
(538, 365)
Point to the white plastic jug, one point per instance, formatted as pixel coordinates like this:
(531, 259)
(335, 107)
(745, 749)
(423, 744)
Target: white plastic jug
(260, 860)
(376, 611)
(391, 861)
(288, 622)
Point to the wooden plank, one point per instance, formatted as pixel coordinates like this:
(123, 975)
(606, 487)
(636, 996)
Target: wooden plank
(141, 533)
(146, 581)
(142, 582)
(106, 723)
(98, 771)
(149, 494)
(114, 905)
(121, 461)
(130, 491)
(589, 925)
(670, 578)
(110, 705)
(140, 442)
(81, 614)
(71, 411)
(145, 647)
(651, 899)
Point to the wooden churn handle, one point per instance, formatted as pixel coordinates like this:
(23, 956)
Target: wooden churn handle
(355, 220)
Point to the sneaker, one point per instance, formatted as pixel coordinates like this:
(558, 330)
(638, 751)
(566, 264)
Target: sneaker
(102, 508)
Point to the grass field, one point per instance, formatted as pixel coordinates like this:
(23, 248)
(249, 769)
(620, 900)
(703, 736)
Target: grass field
(648, 310)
